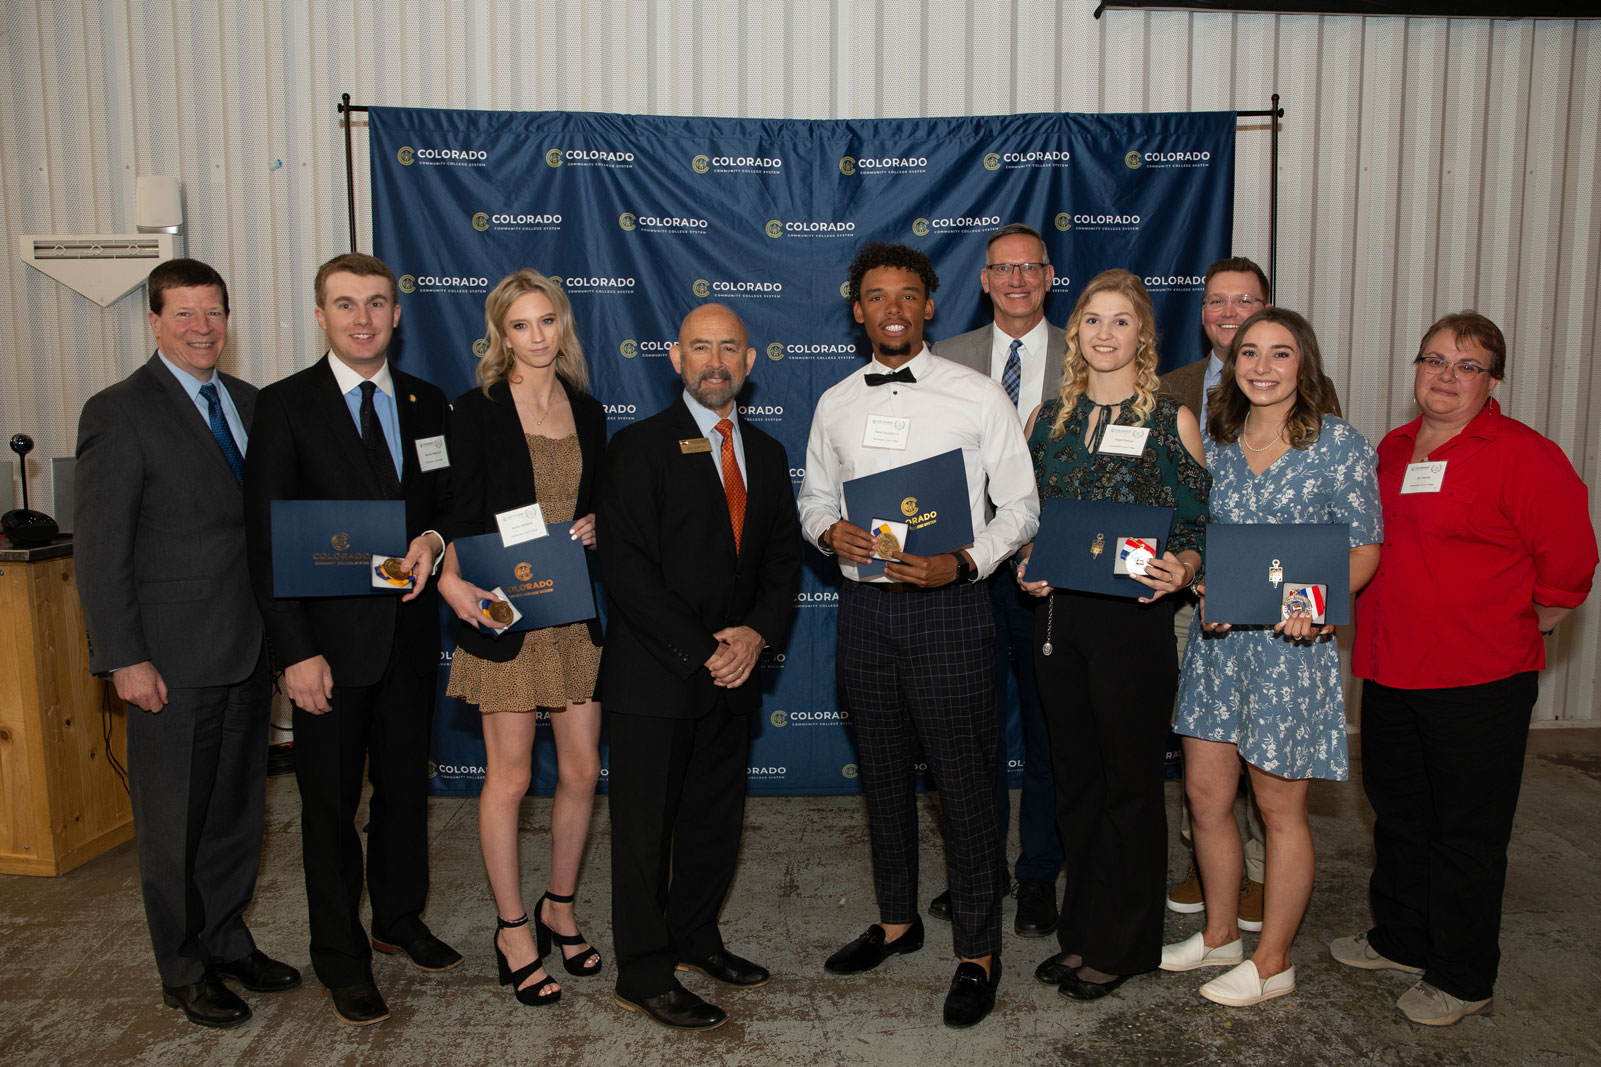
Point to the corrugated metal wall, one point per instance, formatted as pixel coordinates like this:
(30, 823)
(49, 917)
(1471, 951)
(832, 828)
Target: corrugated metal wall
(1427, 164)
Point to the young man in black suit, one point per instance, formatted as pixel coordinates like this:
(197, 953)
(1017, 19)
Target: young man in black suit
(160, 552)
(700, 550)
(359, 670)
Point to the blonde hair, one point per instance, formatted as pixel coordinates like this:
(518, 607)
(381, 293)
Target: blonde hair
(497, 359)
(1076, 370)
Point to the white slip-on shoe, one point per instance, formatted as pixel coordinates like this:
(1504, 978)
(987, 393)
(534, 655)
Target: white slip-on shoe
(1192, 952)
(1355, 951)
(1240, 988)
(1429, 1006)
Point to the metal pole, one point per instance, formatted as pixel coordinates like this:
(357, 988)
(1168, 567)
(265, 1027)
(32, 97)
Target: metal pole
(350, 172)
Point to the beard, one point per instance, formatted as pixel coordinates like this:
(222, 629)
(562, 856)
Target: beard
(712, 389)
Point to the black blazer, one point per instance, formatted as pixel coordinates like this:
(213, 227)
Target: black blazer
(492, 474)
(672, 576)
(304, 445)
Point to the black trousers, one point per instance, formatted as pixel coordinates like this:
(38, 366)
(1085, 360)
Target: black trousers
(1108, 688)
(676, 790)
(918, 667)
(386, 728)
(1442, 769)
(197, 773)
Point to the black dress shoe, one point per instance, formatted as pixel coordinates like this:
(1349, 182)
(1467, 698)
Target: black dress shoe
(427, 952)
(206, 1003)
(1053, 971)
(1078, 989)
(360, 1004)
(728, 969)
(677, 1009)
(1036, 908)
(869, 950)
(972, 994)
(260, 973)
(940, 907)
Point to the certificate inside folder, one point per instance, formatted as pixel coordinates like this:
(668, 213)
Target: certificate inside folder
(325, 547)
(1243, 560)
(546, 579)
(929, 496)
(1076, 547)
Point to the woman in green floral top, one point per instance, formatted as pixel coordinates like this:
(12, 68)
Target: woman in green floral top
(1107, 666)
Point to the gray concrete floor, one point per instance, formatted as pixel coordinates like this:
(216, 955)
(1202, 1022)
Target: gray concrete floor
(77, 984)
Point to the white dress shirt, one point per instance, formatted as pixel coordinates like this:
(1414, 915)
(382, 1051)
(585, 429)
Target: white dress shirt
(949, 406)
(1031, 390)
(707, 419)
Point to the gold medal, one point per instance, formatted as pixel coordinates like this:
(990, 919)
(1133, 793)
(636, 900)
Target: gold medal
(499, 611)
(394, 569)
(887, 543)
(1275, 574)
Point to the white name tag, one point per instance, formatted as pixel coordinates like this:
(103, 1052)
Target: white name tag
(1125, 440)
(1425, 477)
(887, 431)
(431, 454)
(521, 524)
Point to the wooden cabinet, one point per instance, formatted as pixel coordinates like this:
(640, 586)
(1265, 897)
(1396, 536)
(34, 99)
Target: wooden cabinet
(61, 802)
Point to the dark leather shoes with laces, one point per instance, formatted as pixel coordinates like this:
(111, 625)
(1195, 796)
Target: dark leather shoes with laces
(360, 1004)
(427, 952)
(1036, 908)
(260, 973)
(728, 969)
(869, 950)
(677, 1009)
(207, 1002)
(972, 994)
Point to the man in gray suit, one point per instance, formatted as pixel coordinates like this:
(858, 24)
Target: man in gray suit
(1024, 353)
(166, 596)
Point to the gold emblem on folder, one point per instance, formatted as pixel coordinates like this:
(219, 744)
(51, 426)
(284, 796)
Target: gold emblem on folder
(1098, 546)
(1275, 574)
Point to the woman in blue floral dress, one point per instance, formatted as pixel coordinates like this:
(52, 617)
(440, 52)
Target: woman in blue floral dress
(1269, 696)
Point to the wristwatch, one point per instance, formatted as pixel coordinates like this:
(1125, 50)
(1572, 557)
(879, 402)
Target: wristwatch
(964, 569)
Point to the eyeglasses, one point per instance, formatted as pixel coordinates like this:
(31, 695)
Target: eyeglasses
(1243, 302)
(1003, 270)
(1467, 370)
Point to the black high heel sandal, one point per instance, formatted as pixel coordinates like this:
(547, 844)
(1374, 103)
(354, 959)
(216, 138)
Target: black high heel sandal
(532, 995)
(545, 935)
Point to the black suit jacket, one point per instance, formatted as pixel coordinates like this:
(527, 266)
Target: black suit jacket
(304, 445)
(160, 546)
(672, 575)
(492, 474)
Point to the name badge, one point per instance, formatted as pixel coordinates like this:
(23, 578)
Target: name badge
(887, 431)
(521, 524)
(1124, 440)
(431, 454)
(1426, 477)
(689, 446)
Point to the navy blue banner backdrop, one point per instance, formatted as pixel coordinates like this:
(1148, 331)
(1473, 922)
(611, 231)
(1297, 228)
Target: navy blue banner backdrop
(641, 218)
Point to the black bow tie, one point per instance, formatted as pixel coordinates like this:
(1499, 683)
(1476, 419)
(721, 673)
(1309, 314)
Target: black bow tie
(902, 375)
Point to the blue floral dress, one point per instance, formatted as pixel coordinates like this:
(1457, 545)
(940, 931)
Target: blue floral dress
(1280, 702)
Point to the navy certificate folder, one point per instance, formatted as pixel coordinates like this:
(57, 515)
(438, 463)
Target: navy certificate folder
(325, 547)
(1242, 558)
(929, 496)
(546, 579)
(1076, 547)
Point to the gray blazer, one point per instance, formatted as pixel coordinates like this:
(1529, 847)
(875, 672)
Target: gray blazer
(160, 540)
(972, 349)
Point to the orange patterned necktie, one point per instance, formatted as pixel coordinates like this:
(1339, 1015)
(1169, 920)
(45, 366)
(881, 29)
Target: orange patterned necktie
(733, 484)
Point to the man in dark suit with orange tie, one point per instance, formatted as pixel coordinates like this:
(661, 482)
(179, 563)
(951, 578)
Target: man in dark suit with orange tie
(359, 670)
(700, 549)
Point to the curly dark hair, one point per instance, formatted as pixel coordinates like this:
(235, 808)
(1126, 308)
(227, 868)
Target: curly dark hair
(877, 254)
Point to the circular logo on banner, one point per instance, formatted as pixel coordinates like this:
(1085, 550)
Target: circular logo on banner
(433, 769)
(849, 770)
(626, 220)
(775, 351)
(920, 227)
(558, 282)
(845, 289)
(909, 506)
(629, 348)
(775, 229)
(405, 155)
(779, 719)
(523, 572)
(992, 161)
(847, 165)
(408, 283)
(480, 347)
(553, 158)
(1064, 221)
(702, 287)
(481, 221)
(700, 164)
(1132, 160)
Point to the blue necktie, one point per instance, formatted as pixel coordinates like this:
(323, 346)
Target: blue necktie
(1012, 376)
(219, 430)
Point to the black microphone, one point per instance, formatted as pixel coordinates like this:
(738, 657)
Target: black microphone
(24, 527)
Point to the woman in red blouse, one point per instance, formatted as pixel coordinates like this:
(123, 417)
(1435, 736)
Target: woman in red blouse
(1487, 546)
